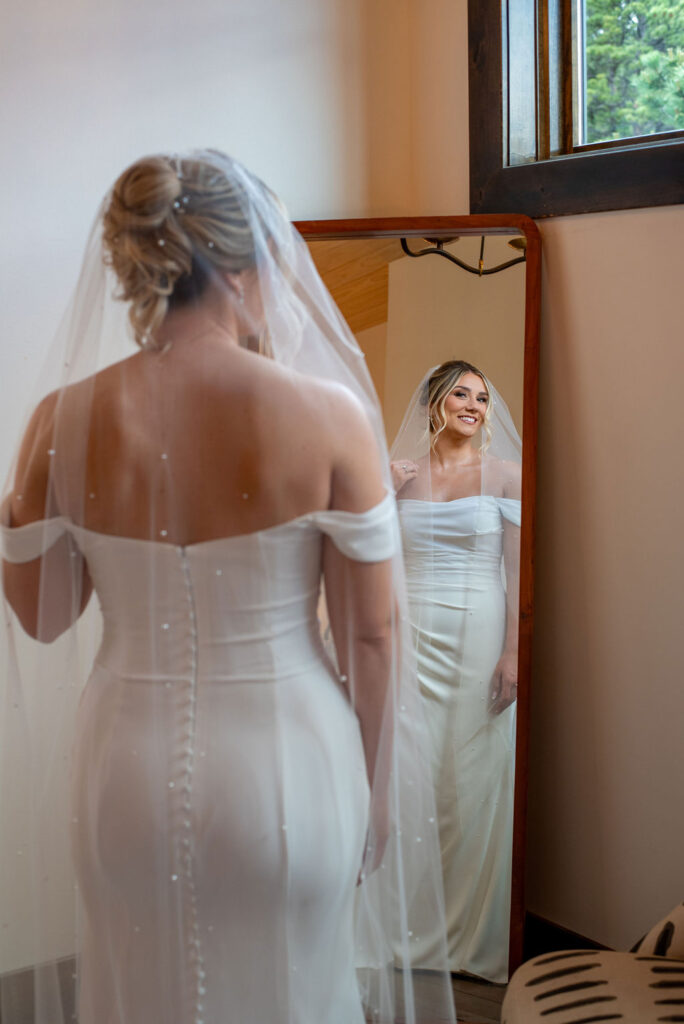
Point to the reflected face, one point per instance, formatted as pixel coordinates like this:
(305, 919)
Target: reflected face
(466, 406)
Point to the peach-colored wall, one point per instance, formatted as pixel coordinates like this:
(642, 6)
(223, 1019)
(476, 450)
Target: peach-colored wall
(373, 344)
(416, 106)
(438, 311)
(606, 832)
(607, 774)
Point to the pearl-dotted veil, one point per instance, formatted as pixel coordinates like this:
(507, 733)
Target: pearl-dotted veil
(461, 540)
(45, 699)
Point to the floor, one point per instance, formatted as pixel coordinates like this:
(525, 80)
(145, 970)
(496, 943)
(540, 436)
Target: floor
(477, 1001)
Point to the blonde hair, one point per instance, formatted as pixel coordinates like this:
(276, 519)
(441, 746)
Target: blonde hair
(440, 385)
(170, 224)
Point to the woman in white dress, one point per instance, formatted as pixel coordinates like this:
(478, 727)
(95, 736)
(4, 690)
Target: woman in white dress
(458, 495)
(220, 767)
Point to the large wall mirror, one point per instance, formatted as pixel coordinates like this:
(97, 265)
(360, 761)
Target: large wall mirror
(422, 294)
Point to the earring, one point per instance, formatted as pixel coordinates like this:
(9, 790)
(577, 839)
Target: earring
(241, 295)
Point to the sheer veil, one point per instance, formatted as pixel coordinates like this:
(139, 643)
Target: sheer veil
(501, 440)
(461, 550)
(47, 663)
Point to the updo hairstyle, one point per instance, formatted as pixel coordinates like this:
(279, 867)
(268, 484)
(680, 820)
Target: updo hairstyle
(440, 385)
(170, 224)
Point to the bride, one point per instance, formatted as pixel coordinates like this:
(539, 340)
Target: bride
(457, 476)
(247, 819)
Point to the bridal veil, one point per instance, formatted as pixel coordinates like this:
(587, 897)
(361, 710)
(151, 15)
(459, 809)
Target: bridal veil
(211, 220)
(460, 524)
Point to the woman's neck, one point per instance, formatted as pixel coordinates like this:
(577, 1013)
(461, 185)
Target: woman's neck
(211, 319)
(452, 451)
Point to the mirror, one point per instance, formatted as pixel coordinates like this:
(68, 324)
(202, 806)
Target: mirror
(466, 502)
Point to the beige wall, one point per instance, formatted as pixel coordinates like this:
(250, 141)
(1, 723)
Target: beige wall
(606, 831)
(416, 106)
(373, 344)
(438, 311)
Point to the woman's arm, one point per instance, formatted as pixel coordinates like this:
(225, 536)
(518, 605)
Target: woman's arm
(51, 591)
(504, 689)
(361, 609)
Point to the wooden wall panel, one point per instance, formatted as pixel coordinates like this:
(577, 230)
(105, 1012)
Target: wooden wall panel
(355, 271)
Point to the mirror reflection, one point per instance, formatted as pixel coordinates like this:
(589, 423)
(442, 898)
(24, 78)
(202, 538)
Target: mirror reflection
(445, 350)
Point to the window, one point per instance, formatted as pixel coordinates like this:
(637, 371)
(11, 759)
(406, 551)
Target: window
(576, 105)
(629, 68)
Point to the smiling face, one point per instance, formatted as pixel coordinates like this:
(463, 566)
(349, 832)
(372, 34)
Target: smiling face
(466, 406)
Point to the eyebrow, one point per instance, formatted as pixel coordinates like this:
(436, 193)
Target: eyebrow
(463, 387)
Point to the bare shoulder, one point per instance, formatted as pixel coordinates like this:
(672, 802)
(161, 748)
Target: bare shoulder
(43, 416)
(37, 442)
(345, 403)
(28, 499)
(345, 430)
(53, 411)
(337, 411)
(335, 431)
(57, 419)
(505, 476)
(81, 394)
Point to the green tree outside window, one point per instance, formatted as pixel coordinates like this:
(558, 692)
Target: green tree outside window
(634, 67)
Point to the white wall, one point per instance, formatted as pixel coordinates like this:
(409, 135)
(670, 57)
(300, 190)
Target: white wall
(87, 88)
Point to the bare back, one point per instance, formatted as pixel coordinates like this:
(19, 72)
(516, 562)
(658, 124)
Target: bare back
(205, 442)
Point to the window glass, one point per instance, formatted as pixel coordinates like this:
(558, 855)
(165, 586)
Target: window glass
(633, 68)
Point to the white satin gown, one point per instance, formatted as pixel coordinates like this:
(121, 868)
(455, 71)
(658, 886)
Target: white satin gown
(219, 791)
(457, 604)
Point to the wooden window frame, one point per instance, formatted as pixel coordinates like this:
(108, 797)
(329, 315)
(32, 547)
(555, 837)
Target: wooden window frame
(624, 175)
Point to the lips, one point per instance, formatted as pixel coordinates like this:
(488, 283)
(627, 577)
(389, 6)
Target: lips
(467, 419)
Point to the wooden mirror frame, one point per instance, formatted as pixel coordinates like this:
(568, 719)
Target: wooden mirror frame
(491, 224)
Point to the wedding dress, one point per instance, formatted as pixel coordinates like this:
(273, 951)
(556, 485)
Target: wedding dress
(188, 830)
(461, 560)
(457, 607)
(220, 713)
